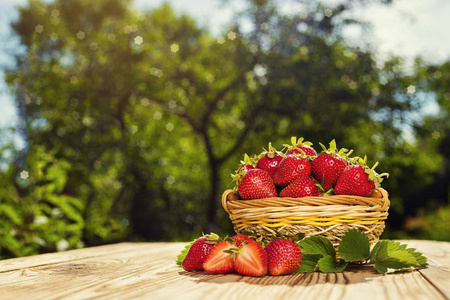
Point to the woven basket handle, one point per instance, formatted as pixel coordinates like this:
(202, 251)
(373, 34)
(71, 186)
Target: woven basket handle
(386, 202)
(228, 195)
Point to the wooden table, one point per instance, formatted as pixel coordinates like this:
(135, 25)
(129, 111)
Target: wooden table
(148, 271)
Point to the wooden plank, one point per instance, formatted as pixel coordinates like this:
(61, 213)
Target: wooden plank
(50, 258)
(148, 271)
(438, 254)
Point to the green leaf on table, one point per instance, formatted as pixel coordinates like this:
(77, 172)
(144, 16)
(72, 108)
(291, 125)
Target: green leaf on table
(354, 246)
(328, 264)
(389, 266)
(422, 260)
(309, 263)
(317, 245)
(392, 255)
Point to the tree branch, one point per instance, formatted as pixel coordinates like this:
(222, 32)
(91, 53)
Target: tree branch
(219, 96)
(177, 111)
(248, 126)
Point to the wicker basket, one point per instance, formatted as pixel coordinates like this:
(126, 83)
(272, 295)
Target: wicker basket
(329, 216)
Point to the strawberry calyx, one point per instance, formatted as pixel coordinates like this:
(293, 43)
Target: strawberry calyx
(298, 146)
(271, 153)
(332, 150)
(246, 164)
(373, 175)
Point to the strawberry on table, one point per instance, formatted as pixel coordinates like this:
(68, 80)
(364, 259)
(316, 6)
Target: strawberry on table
(329, 164)
(255, 184)
(239, 238)
(283, 256)
(219, 261)
(291, 168)
(197, 254)
(301, 187)
(300, 147)
(269, 160)
(251, 259)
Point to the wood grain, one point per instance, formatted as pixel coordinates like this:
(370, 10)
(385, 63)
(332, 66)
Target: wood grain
(148, 271)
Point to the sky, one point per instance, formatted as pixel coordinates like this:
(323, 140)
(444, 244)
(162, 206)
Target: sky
(407, 28)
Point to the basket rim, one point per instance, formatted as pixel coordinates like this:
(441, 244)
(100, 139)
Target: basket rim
(230, 200)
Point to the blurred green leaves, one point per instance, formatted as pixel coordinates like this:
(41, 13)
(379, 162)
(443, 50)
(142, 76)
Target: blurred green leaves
(37, 214)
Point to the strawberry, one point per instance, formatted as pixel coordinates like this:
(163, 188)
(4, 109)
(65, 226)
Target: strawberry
(301, 187)
(300, 147)
(246, 164)
(269, 160)
(283, 256)
(219, 261)
(239, 238)
(358, 180)
(354, 181)
(251, 259)
(197, 254)
(255, 184)
(291, 168)
(328, 165)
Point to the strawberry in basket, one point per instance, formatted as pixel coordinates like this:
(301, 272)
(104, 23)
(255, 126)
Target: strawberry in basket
(254, 184)
(358, 179)
(302, 187)
(269, 160)
(300, 147)
(329, 164)
(292, 167)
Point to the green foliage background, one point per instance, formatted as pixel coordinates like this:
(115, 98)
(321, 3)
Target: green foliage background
(134, 120)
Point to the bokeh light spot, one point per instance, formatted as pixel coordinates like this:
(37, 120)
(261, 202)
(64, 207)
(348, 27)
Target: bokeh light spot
(81, 35)
(39, 28)
(24, 175)
(138, 40)
(156, 72)
(169, 127)
(174, 48)
(232, 35)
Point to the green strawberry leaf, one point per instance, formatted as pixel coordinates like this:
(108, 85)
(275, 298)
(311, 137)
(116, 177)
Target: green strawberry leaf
(388, 266)
(317, 245)
(354, 246)
(421, 260)
(184, 252)
(393, 255)
(309, 263)
(328, 264)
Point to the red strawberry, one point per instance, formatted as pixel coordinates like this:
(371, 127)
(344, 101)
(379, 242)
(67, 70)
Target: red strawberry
(283, 256)
(354, 181)
(301, 187)
(239, 238)
(219, 261)
(358, 180)
(291, 168)
(246, 164)
(251, 259)
(327, 166)
(197, 254)
(269, 160)
(300, 147)
(255, 184)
